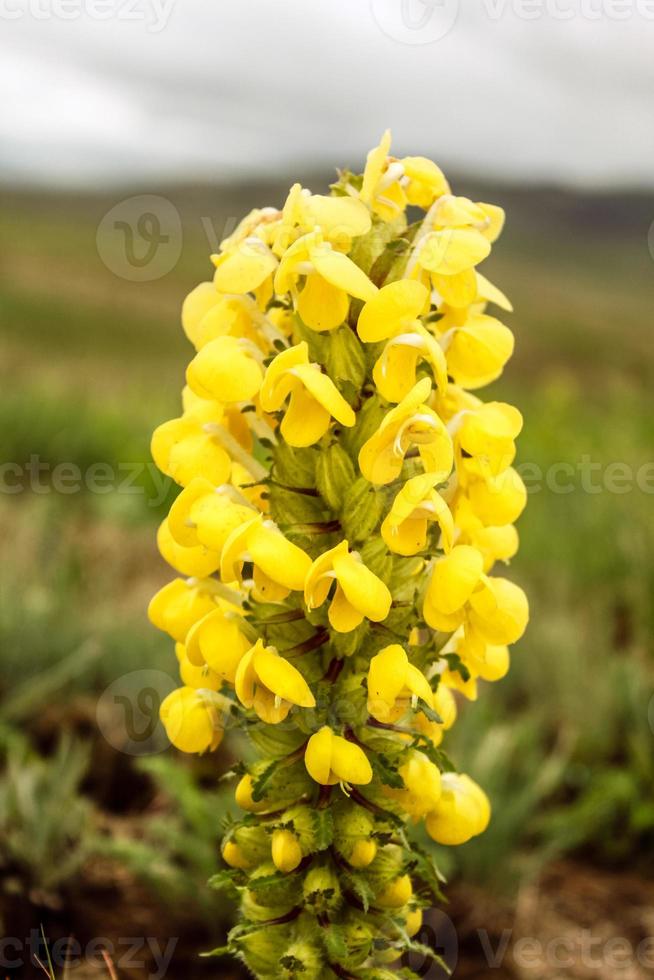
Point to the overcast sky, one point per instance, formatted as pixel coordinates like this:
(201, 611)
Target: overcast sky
(207, 88)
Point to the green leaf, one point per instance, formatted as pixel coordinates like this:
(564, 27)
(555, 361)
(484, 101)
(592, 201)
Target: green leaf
(387, 771)
(335, 944)
(323, 827)
(429, 712)
(262, 780)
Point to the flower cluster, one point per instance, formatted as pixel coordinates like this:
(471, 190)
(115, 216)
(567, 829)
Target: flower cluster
(345, 497)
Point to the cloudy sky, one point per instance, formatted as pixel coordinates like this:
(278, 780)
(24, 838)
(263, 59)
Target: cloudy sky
(98, 91)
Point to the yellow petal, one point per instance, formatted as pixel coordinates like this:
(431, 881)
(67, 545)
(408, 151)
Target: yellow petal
(191, 720)
(305, 421)
(387, 676)
(500, 612)
(339, 218)
(245, 268)
(279, 381)
(453, 250)
(363, 590)
(217, 641)
(279, 559)
(325, 392)
(198, 302)
(391, 310)
(349, 763)
(282, 678)
(342, 614)
(321, 305)
(180, 604)
(394, 372)
(478, 351)
(226, 370)
(318, 756)
(198, 561)
(341, 271)
(286, 850)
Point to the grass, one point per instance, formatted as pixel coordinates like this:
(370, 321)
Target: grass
(95, 362)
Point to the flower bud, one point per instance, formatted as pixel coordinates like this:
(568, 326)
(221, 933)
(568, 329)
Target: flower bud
(352, 829)
(263, 949)
(301, 961)
(266, 887)
(321, 890)
(396, 894)
(286, 850)
(234, 856)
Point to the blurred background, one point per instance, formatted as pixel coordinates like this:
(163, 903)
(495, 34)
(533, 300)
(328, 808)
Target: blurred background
(133, 135)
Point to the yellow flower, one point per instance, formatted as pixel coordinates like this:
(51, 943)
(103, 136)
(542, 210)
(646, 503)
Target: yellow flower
(494, 500)
(411, 423)
(424, 181)
(492, 610)
(422, 786)
(330, 279)
(340, 219)
(208, 314)
(180, 604)
(359, 593)
(314, 398)
(331, 759)
(193, 719)
(462, 812)
(270, 685)
(382, 189)
(203, 515)
(193, 676)
(485, 441)
(183, 449)
(244, 267)
(476, 350)
(217, 640)
(227, 369)
(286, 850)
(198, 560)
(393, 310)
(280, 567)
(394, 684)
(394, 373)
(404, 529)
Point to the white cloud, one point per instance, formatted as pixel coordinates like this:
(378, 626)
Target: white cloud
(251, 85)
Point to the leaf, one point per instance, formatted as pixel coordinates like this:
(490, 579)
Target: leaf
(226, 878)
(429, 712)
(323, 828)
(455, 663)
(262, 780)
(387, 771)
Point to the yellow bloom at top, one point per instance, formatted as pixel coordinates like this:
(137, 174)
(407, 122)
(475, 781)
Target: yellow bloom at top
(339, 219)
(330, 279)
(394, 684)
(381, 188)
(332, 759)
(411, 423)
(244, 267)
(359, 593)
(404, 529)
(279, 565)
(314, 398)
(270, 684)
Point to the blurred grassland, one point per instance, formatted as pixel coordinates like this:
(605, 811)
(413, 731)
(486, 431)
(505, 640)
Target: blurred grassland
(90, 363)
